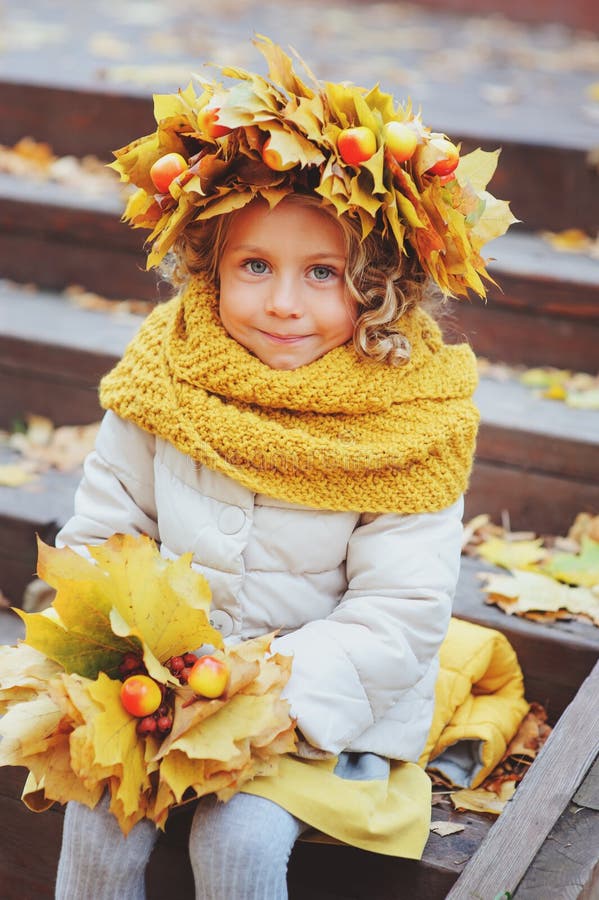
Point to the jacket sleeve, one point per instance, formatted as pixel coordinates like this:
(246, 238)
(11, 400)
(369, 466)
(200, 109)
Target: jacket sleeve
(116, 493)
(352, 667)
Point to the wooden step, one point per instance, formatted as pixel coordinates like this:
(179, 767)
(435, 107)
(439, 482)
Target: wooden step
(575, 14)
(326, 872)
(39, 507)
(54, 237)
(53, 354)
(555, 657)
(96, 106)
(545, 310)
(317, 871)
(523, 852)
(537, 459)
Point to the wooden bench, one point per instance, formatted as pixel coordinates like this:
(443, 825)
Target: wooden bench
(556, 807)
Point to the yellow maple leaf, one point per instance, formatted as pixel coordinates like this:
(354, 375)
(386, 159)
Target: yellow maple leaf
(526, 593)
(72, 732)
(481, 800)
(571, 240)
(24, 671)
(27, 729)
(15, 475)
(512, 554)
(126, 598)
(477, 168)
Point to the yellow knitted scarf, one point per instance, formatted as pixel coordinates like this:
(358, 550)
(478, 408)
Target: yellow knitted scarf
(342, 433)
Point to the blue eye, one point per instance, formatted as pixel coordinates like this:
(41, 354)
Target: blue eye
(321, 273)
(256, 266)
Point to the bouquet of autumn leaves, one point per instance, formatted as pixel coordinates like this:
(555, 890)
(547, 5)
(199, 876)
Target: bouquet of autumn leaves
(126, 616)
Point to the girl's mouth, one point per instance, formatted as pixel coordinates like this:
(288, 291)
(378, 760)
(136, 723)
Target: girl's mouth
(284, 338)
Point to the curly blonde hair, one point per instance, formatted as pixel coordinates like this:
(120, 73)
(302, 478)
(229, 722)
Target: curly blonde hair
(385, 283)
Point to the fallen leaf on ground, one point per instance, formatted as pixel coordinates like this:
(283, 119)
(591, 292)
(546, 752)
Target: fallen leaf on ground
(15, 475)
(511, 554)
(45, 446)
(445, 828)
(84, 299)
(481, 800)
(577, 568)
(579, 390)
(572, 240)
(533, 594)
(584, 524)
(35, 160)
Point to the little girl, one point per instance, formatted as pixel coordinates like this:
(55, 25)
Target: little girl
(293, 417)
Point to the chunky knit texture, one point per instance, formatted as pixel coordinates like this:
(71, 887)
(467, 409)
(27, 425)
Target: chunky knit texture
(342, 433)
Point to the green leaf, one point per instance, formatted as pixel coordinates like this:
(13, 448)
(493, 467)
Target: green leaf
(579, 569)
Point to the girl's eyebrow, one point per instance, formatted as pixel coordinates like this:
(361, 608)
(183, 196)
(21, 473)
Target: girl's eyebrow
(261, 251)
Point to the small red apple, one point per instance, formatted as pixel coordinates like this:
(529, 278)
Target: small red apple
(449, 161)
(166, 169)
(209, 676)
(401, 140)
(208, 122)
(356, 145)
(272, 158)
(141, 695)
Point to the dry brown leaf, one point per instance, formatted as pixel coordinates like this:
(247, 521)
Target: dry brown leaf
(43, 446)
(584, 524)
(84, 299)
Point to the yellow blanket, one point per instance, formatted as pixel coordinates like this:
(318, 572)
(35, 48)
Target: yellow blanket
(385, 807)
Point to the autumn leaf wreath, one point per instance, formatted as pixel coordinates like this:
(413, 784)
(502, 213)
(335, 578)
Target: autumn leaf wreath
(100, 694)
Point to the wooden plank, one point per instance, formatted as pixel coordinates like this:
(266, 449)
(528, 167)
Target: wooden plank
(503, 858)
(588, 793)
(316, 870)
(522, 429)
(39, 507)
(28, 851)
(575, 14)
(524, 338)
(73, 120)
(535, 501)
(99, 268)
(74, 240)
(567, 865)
(555, 657)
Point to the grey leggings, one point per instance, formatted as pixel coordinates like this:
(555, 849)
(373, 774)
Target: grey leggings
(239, 849)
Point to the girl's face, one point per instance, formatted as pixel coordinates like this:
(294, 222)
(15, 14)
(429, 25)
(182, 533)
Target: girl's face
(282, 287)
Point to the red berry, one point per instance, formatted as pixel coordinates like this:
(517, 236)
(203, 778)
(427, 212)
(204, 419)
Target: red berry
(189, 659)
(164, 724)
(183, 675)
(129, 663)
(175, 664)
(147, 725)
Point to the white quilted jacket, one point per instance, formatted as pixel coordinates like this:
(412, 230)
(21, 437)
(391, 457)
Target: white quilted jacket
(362, 601)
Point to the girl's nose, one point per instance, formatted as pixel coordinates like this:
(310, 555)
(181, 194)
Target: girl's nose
(284, 300)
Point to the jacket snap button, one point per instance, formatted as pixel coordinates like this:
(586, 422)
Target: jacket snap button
(231, 520)
(222, 621)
